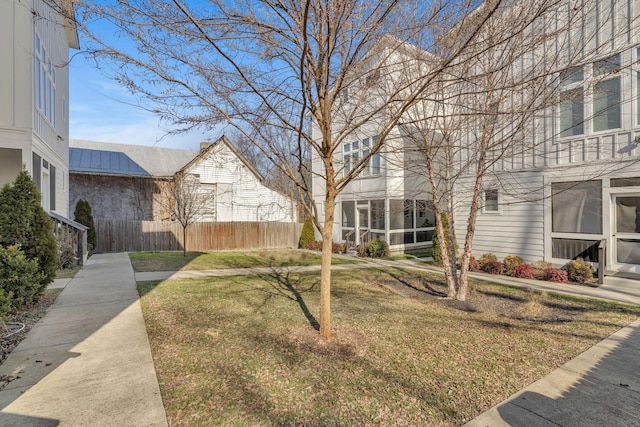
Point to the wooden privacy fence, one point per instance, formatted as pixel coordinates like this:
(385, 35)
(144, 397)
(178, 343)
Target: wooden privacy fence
(132, 236)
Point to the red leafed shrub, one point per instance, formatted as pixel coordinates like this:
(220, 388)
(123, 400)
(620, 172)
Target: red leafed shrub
(492, 267)
(556, 275)
(473, 264)
(314, 245)
(339, 248)
(524, 271)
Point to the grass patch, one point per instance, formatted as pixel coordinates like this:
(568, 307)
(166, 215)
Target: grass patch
(243, 350)
(415, 255)
(175, 261)
(68, 273)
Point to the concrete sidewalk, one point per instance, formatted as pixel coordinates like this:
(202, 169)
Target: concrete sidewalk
(88, 361)
(600, 387)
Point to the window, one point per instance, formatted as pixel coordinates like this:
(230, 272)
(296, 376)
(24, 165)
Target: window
(638, 86)
(52, 189)
(44, 82)
(571, 75)
(606, 95)
(408, 214)
(348, 214)
(607, 66)
(491, 200)
(377, 214)
(606, 105)
(576, 207)
(425, 214)
(396, 214)
(37, 171)
(352, 152)
(572, 113)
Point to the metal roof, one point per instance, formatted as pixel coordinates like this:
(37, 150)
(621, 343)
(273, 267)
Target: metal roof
(107, 162)
(124, 159)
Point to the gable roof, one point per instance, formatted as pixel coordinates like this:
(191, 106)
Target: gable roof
(95, 157)
(222, 141)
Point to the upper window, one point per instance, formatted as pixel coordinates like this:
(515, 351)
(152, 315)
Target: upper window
(571, 75)
(44, 82)
(572, 113)
(352, 152)
(606, 95)
(491, 200)
(610, 65)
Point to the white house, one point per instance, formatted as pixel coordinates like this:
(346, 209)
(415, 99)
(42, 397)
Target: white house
(388, 200)
(34, 107)
(580, 183)
(575, 185)
(125, 182)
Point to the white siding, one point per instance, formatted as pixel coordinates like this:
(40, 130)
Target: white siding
(518, 226)
(21, 125)
(240, 195)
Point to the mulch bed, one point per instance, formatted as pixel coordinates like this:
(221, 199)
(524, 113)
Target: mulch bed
(28, 316)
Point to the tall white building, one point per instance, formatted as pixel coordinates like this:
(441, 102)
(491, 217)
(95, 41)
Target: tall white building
(35, 37)
(571, 183)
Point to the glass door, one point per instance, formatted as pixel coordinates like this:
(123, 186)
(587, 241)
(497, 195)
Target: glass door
(626, 232)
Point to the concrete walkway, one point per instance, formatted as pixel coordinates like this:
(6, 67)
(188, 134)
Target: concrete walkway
(88, 361)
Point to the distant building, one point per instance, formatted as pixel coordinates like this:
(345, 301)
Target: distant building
(34, 107)
(128, 182)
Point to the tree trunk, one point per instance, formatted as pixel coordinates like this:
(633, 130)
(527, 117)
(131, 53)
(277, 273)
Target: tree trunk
(446, 260)
(184, 241)
(325, 272)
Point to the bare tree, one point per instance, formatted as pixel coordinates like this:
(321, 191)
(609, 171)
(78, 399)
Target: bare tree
(488, 118)
(184, 200)
(313, 72)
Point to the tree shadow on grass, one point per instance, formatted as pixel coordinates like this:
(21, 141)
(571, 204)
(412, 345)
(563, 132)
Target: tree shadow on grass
(283, 284)
(427, 284)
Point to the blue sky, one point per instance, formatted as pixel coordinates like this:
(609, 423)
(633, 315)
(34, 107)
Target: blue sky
(100, 109)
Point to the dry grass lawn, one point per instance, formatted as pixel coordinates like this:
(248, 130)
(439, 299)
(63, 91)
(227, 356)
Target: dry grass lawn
(175, 261)
(243, 350)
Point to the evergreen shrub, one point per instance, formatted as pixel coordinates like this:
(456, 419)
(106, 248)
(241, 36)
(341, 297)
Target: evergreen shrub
(84, 216)
(378, 248)
(19, 278)
(25, 224)
(308, 234)
(436, 247)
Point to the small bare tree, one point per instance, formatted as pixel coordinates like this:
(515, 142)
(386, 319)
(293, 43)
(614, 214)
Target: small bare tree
(491, 111)
(183, 199)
